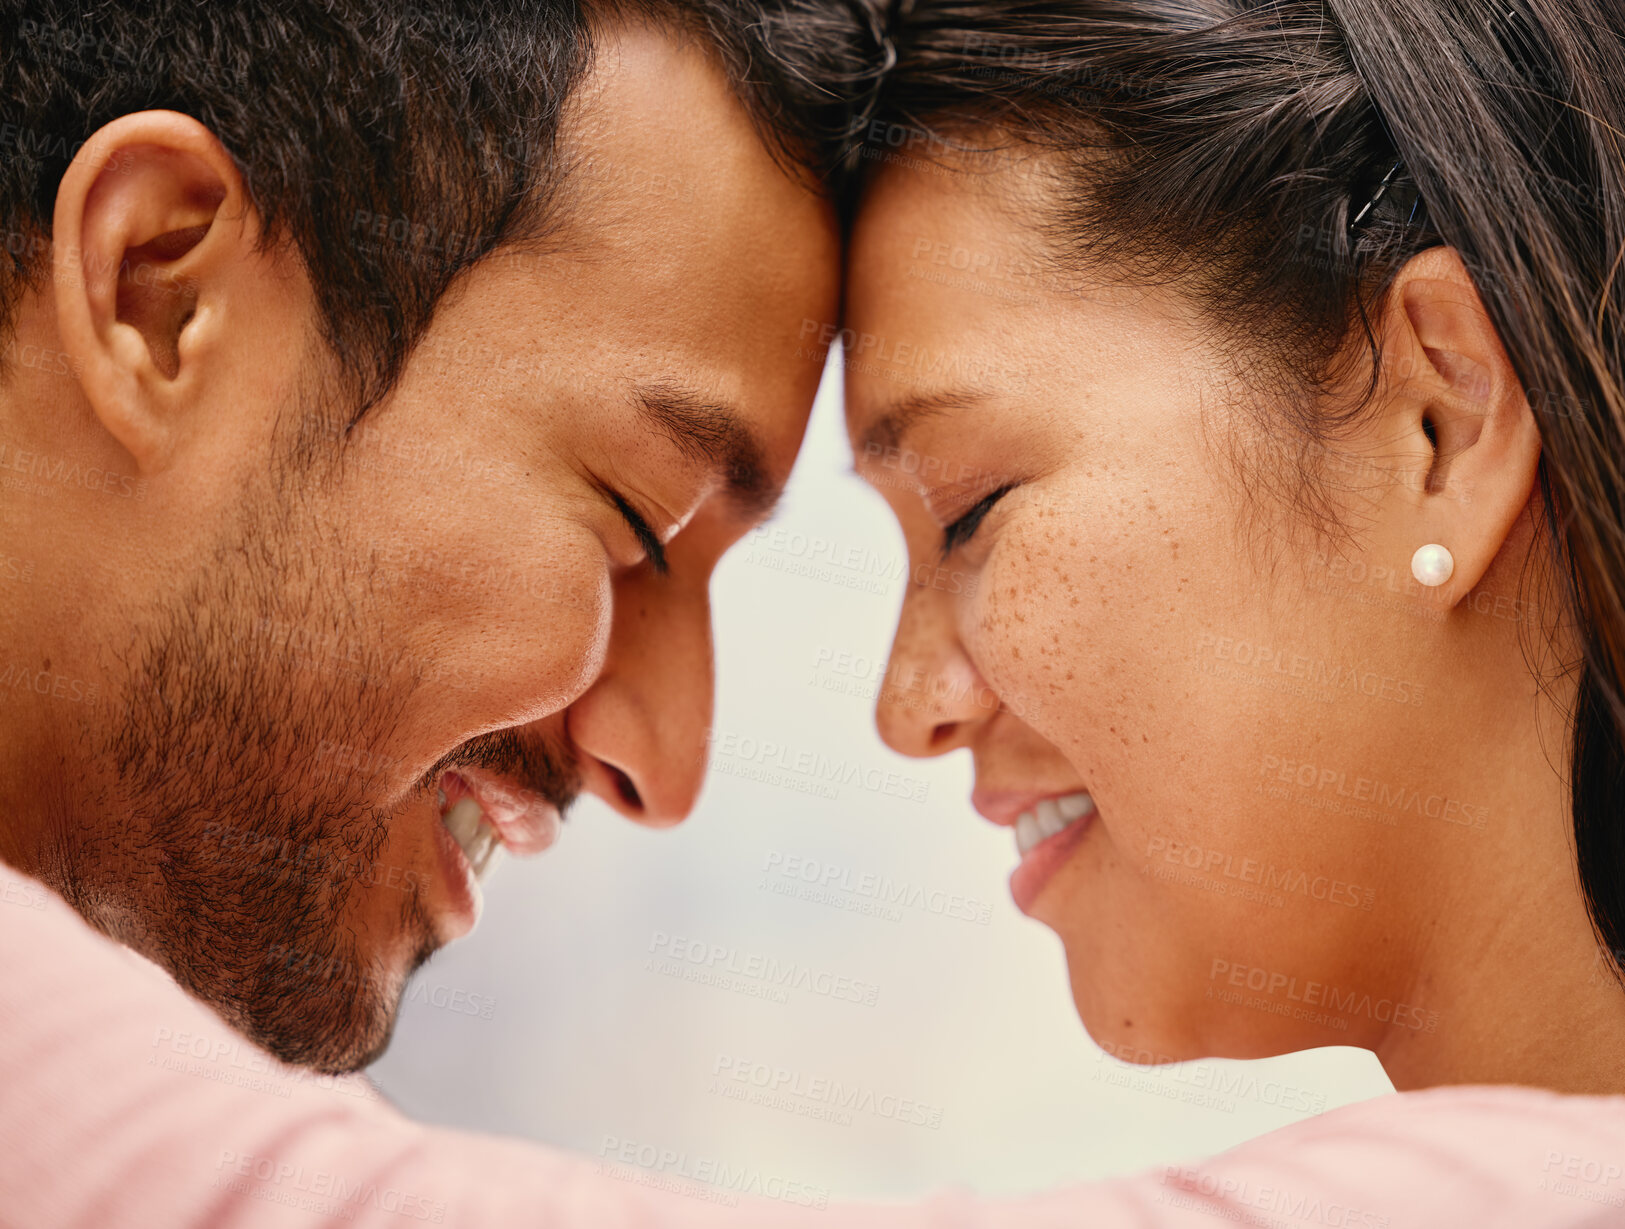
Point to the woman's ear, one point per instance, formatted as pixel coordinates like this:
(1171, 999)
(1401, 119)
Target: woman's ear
(151, 220)
(1456, 421)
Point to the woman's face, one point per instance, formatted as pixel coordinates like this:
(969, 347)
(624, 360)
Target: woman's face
(1253, 714)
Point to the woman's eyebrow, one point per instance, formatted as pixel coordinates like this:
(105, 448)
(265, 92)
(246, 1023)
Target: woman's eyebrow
(891, 426)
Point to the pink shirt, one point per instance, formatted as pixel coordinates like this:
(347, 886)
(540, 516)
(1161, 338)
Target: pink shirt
(128, 1105)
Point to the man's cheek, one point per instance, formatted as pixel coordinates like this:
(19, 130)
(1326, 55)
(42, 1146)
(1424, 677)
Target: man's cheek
(531, 627)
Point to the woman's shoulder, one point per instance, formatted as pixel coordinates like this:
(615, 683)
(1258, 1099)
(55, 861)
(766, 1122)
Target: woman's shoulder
(1478, 1107)
(1472, 1128)
(1470, 1154)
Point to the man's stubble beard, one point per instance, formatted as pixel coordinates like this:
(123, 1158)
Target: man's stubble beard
(225, 849)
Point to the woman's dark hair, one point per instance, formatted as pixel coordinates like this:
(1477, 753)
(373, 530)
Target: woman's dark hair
(430, 122)
(1284, 158)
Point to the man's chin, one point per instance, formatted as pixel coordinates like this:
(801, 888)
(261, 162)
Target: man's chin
(319, 1030)
(332, 1012)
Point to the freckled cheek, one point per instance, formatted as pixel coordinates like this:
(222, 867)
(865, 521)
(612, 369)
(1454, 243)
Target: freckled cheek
(1020, 629)
(1055, 626)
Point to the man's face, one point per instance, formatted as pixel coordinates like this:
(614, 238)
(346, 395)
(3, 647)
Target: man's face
(311, 643)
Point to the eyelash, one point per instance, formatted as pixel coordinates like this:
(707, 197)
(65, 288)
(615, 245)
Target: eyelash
(964, 529)
(652, 549)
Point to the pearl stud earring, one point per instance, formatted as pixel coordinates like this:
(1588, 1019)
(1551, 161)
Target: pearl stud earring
(1432, 565)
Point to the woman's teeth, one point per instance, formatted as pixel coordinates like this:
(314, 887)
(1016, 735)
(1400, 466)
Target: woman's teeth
(477, 838)
(1049, 817)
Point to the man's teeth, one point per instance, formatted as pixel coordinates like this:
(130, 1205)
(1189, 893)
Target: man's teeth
(1049, 817)
(477, 838)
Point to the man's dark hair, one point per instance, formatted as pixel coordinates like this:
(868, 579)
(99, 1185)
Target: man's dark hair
(394, 145)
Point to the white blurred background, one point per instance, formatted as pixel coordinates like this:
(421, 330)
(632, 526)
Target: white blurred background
(578, 1012)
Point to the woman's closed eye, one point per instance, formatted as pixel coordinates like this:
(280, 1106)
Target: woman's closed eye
(964, 529)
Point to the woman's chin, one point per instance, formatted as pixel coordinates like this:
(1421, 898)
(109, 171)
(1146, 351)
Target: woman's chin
(1126, 1026)
(1134, 1031)
(1118, 1027)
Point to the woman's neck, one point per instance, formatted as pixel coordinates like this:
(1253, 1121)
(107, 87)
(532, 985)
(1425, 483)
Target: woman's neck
(1505, 952)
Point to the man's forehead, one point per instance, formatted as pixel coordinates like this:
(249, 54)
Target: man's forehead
(653, 102)
(693, 257)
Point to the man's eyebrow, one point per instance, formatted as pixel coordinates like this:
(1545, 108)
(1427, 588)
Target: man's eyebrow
(718, 436)
(894, 422)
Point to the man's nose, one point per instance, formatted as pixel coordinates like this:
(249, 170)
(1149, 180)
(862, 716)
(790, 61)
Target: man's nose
(931, 698)
(641, 729)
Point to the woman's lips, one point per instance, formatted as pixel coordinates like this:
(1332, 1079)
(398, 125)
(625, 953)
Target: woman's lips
(1047, 829)
(1039, 864)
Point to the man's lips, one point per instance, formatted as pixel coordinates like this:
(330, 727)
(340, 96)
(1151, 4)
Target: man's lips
(478, 808)
(525, 821)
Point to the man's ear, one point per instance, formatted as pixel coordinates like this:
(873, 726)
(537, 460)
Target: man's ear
(1458, 420)
(151, 218)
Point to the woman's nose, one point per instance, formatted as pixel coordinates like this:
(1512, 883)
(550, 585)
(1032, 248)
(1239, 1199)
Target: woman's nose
(929, 699)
